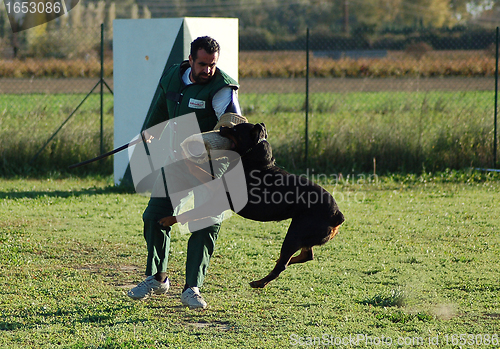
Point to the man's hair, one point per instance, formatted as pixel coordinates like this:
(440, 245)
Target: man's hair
(204, 42)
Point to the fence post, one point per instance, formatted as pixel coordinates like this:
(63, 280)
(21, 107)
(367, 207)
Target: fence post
(102, 83)
(102, 87)
(307, 101)
(496, 103)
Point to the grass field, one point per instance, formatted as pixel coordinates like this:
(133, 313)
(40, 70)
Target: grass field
(27, 122)
(402, 131)
(416, 263)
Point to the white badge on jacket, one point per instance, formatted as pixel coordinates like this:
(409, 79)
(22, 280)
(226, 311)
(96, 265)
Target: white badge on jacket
(196, 104)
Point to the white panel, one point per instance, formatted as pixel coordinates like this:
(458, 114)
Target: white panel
(225, 31)
(141, 48)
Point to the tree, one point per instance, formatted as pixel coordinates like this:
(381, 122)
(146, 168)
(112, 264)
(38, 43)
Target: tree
(429, 13)
(376, 13)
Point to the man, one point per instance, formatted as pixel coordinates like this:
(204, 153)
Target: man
(196, 85)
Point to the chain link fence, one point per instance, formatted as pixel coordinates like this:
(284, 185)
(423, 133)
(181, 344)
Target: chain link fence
(398, 101)
(49, 77)
(422, 100)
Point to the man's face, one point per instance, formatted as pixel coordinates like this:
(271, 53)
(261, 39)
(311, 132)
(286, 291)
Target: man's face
(203, 68)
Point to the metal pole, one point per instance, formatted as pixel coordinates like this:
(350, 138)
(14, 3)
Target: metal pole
(346, 17)
(496, 103)
(102, 87)
(307, 99)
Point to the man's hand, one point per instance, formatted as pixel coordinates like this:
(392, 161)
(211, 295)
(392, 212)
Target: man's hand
(167, 221)
(147, 136)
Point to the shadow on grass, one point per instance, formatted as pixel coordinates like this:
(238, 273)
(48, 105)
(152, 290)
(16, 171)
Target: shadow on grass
(67, 193)
(96, 317)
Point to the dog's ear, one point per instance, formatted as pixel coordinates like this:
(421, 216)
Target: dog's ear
(259, 132)
(264, 130)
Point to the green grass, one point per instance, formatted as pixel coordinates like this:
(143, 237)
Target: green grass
(28, 121)
(418, 257)
(403, 132)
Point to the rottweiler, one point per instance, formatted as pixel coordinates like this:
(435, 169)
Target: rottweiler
(275, 195)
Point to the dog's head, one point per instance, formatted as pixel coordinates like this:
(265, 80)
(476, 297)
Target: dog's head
(244, 136)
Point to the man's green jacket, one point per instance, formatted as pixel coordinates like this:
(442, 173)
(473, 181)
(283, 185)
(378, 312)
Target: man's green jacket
(176, 99)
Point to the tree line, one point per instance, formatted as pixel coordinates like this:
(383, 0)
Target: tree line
(282, 24)
(345, 24)
(283, 17)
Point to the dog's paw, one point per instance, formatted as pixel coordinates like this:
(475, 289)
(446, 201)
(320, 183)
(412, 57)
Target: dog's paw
(257, 284)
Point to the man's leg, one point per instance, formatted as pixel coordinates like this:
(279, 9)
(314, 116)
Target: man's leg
(157, 238)
(200, 248)
(201, 243)
(158, 246)
(161, 205)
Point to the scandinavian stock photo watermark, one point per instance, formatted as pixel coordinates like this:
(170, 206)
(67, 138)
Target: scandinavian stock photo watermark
(263, 187)
(366, 340)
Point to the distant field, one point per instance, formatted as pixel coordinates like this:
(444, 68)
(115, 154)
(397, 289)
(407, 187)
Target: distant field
(261, 64)
(450, 55)
(403, 131)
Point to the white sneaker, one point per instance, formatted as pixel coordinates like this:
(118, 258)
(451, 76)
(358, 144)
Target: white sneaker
(149, 287)
(193, 299)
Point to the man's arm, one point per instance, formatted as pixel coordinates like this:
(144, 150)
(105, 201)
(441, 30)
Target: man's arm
(226, 101)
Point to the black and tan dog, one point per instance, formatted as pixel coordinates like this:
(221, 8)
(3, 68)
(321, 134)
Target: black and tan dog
(274, 195)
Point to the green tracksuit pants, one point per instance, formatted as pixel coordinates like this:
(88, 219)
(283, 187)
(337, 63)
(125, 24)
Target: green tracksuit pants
(201, 243)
